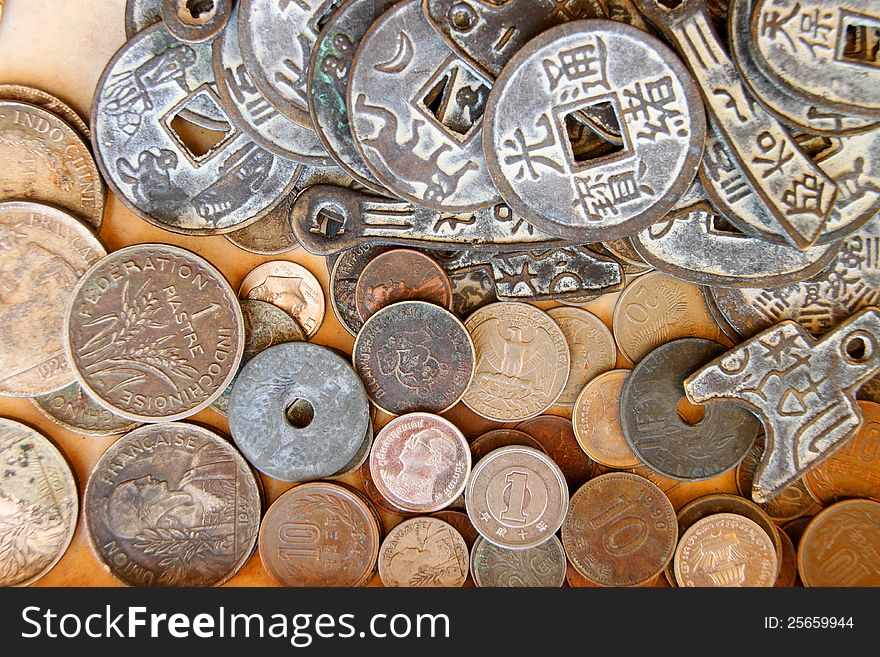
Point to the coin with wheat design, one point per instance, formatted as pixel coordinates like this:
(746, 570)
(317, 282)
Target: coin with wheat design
(423, 552)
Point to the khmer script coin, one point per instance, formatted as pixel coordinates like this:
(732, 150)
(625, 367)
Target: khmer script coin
(71, 408)
(423, 552)
(542, 565)
(291, 287)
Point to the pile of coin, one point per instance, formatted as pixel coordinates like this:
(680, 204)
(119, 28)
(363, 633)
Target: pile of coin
(611, 269)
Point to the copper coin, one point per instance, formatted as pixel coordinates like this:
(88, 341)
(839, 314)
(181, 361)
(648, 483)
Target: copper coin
(577, 581)
(492, 440)
(401, 275)
(522, 364)
(840, 546)
(591, 347)
(853, 470)
(788, 573)
(38, 504)
(154, 332)
(657, 308)
(44, 253)
(172, 504)
(542, 565)
(320, 534)
(423, 552)
(291, 287)
(414, 356)
(557, 438)
(50, 103)
(620, 530)
(517, 497)
(344, 274)
(74, 410)
(725, 549)
(596, 419)
(420, 462)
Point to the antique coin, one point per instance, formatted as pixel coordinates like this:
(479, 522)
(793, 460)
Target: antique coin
(172, 504)
(420, 462)
(522, 361)
(556, 170)
(42, 159)
(401, 275)
(38, 504)
(265, 325)
(725, 550)
(291, 287)
(840, 545)
(140, 14)
(423, 552)
(153, 332)
(471, 290)
(495, 438)
(320, 534)
(270, 235)
(591, 347)
(541, 565)
(596, 420)
(620, 530)
(298, 412)
(853, 470)
(414, 356)
(657, 308)
(47, 101)
(516, 497)
(45, 251)
(71, 408)
(558, 441)
(194, 21)
(344, 275)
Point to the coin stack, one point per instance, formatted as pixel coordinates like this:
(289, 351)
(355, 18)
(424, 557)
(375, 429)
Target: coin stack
(604, 279)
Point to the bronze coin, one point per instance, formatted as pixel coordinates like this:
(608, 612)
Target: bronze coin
(423, 552)
(420, 462)
(577, 581)
(557, 438)
(291, 287)
(542, 565)
(788, 573)
(414, 356)
(74, 410)
(344, 273)
(401, 275)
(596, 420)
(840, 546)
(591, 347)
(172, 504)
(320, 534)
(492, 440)
(620, 530)
(154, 332)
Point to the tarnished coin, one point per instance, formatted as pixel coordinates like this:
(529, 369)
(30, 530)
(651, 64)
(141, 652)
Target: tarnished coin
(660, 437)
(620, 530)
(344, 275)
(271, 235)
(140, 14)
(596, 420)
(42, 159)
(462, 524)
(542, 565)
(591, 347)
(195, 22)
(172, 504)
(522, 362)
(423, 552)
(725, 550)
(74, 410)
(471, 290)
(495, 438)
(420, 462)
(414, 356)
(840, 546)
(47, 101)
(291, 287)
(38, 504)
(320, 534)
(153, 332)
(44, 253)
(265, 325)
(656, 308)
(516, 497)
(558, 441)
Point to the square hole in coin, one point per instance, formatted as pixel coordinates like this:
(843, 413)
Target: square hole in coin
(455, 99)
(859, 41)
(186, 124)
(594, 132)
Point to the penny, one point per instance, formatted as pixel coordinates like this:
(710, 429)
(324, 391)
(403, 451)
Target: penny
(657, 308)
(620, 530)
(320, 534)
(853, 470)
(401, 275)
(840, 545)
(596, 420)
(195, 22)
(725, 550)
(271, 235)
(516, 497)
(471, 290)
(522, 361)
(343, 283)
(291, 287)
(44, 160)
(71, 408)
(788, 573)
(47, 101)
(558, 441)
(153, 332)
(420, 462)
(591, 347)
(423, 552)
(495, 438)
(38, 505)
(540, 566)
(45, 252)
(414, 356)
(265, 325)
